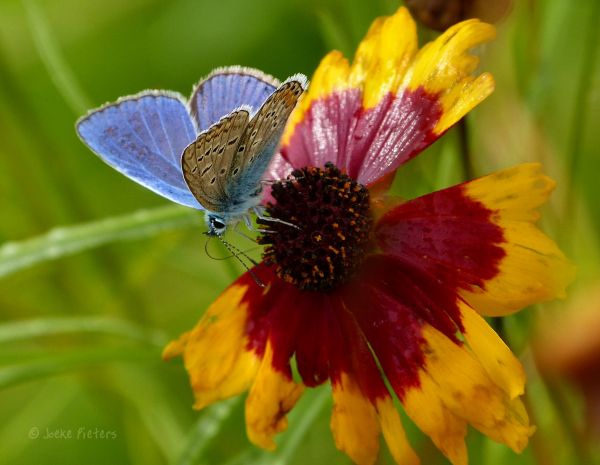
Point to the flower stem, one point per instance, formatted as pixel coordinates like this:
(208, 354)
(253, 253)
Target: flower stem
(465, 150)
(565, 414)
(539, 447)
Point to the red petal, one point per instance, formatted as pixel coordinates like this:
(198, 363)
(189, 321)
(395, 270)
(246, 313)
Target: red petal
(367, 143)
(392, 303)
(445, 234)
(317, 329)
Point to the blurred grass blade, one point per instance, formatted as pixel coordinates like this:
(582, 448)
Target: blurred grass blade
(245, 457)
(582, 106)
(43, 327)
(334, 35)
(64, 241)
(71, 360)
(155, 411)
(50, 55)
(205, 430)
(35, 411)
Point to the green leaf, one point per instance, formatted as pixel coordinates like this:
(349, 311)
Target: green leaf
(65, 241)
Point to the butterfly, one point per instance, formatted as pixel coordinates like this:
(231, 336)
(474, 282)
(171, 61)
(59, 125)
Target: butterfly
(209, 153)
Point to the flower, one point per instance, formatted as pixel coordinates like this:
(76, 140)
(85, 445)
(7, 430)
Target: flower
(365, 288)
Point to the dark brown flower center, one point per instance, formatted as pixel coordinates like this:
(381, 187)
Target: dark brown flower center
(332, 224)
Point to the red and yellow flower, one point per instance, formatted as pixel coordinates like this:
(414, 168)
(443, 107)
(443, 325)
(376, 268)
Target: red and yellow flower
(366, 288)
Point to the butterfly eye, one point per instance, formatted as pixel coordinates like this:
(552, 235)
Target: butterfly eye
(217, 224)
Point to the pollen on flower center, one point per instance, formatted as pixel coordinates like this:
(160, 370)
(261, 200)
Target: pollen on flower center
(332, 219)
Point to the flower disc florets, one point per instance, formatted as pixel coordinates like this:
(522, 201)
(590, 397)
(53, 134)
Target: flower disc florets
(332, 223)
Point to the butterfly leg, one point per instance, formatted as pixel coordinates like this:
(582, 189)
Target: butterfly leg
(242, 233)
(259, 212)
(252, 228)
(270, 182)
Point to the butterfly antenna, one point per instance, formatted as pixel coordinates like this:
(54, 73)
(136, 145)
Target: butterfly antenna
(212, 256)
(231, 254)
(206, 249)
(235, 252)
(232, 248)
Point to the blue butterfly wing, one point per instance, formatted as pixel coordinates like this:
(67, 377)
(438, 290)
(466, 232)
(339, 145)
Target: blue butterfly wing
(227, 89)
(260, 142)
(143, 137)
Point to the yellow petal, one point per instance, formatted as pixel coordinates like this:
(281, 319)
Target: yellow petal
(383, 56)
(394, 434)
(272, 396)
(214, 352)
(354, 423)
(443, 67)
(447, 431)
(533, 268)
(500, 364)
(466, 389)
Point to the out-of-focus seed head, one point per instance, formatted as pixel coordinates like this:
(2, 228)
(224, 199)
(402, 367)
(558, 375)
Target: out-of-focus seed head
(441, 14)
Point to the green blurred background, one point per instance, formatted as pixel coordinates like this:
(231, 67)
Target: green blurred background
(97, 273)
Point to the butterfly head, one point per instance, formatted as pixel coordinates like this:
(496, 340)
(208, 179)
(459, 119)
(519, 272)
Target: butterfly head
(216, 224)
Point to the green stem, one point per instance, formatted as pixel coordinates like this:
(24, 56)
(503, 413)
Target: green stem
(565, 414)
(465, 150)
(539, 447)
(500, 328)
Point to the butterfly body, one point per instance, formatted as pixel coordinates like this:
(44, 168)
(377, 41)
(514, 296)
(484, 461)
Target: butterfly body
(224, 165)
(209, 155)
